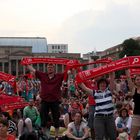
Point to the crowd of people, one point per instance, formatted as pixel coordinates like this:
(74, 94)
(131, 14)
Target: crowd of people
(107, 109)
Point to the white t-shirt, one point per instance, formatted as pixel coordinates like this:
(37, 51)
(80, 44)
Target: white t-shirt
(77, 132)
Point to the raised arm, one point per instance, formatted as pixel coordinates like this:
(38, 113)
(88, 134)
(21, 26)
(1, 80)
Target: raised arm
(112, 81)
(86, 89)
(131, 85)
(31, 69)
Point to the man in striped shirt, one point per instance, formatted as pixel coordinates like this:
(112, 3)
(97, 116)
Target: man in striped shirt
(104, 123)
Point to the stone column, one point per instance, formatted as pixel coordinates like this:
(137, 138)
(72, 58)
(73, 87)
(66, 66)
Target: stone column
(62, 68)
(9, 67)
(2, 66)
(56, 68)
(44, 67)
(37, 66)
(24, 70)
(16, 67)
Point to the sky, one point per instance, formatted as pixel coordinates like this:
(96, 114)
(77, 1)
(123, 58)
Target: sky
(85, 25)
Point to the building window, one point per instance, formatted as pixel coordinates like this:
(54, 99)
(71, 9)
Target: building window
(52, 47)
(41, 67)
(13, 67)
(6, 67)
(0, 66)
(7, 51)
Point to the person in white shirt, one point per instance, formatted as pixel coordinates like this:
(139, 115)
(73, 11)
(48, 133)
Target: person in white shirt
(123, 122)
(77, 129)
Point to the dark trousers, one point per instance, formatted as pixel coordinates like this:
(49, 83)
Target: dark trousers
(104, 126)
(44, 111)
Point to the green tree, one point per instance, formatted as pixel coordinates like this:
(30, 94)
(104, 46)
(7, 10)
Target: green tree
(131, 47)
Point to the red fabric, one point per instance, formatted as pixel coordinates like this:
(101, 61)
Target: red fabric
(91, 100)
(7, 77)
(69, 63)
(127, 62)
(50, 88)
(29, 76)
(10, 103)
(77, 106)
(75, 63)
(27, 60)
(90, 85)
(134, 71)
(10, 137)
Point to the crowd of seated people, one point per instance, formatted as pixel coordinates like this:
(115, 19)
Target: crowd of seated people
(74, 110)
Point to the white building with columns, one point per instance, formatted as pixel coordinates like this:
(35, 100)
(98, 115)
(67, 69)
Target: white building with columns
(13, 49)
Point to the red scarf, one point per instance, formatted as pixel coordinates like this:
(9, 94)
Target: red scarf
(127, 62)
(27, 60)
(8, 78)
(70, 64)
(134, 71)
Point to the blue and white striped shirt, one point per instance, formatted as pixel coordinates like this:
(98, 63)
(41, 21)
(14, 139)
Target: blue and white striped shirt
(103, 101)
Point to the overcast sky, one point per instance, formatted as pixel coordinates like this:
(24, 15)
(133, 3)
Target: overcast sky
(85, 25)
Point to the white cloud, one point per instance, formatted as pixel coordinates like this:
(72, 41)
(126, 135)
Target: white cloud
(101, 29)
(83, 24)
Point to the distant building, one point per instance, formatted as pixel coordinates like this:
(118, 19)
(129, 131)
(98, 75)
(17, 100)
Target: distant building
(92, 56)
(38, 44)
(12, 51)
(57, 48)
(113, 52)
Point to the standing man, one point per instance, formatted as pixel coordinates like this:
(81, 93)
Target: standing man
(104, 123)
(50, 94)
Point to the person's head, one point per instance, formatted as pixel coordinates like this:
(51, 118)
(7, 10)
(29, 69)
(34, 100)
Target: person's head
(72, 99)
(137, 80)
(3, 127)
(119, 106)
(50, 68)
(128, 98)
(38, 99)
(123, 113)
(128, 106)
(102, 84)
(31, 102)
(6, 116)
(118, 81)
(78, 117)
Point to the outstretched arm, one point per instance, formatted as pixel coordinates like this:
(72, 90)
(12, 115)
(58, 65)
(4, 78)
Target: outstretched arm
(130, 83)
(86, 89)
(112, 81)
(31, 69)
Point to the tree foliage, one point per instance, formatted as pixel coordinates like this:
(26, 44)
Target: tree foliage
(131, 47)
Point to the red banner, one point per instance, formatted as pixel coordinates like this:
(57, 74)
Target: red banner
(8, 78)
(27, 61)
(134, 71)
(69, 63)
(76, 64)
(127, 62)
